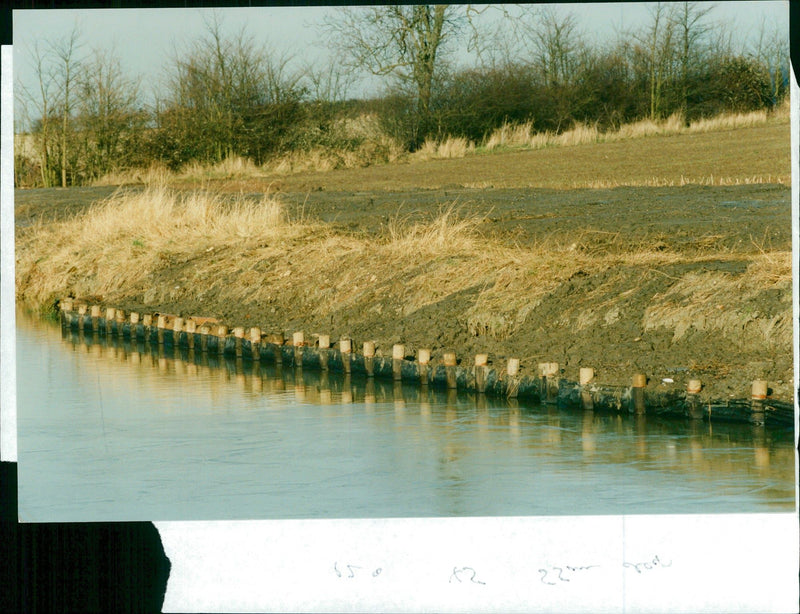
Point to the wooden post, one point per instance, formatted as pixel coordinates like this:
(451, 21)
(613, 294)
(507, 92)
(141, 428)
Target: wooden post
(204, 331)
(161, 323)
(449, 360)
(758, 394)
(345, 347)
(637, 393)
(120, 320)
(759, 390)
(369, 358)
(586, 375)
(191, 329)
(512, 384)
(177, 329)
(222, 337)
(255, 342)
(423, 358)
(95, 315)
(277, 340)
(82, 308)
(298, 341)
(548, 375)
(111, 315)
(398, 355)
(693, 388)
(238, 334)
(513, 367)
(64, 307)
(324, 344)
(134, 319)
(147, 325)
(481, 368)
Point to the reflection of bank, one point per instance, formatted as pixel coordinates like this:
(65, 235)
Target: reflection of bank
(698, 448)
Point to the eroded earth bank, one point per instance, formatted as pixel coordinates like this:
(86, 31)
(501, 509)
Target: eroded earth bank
(675, 282)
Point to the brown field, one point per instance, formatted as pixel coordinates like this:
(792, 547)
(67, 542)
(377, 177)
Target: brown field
(665, 254)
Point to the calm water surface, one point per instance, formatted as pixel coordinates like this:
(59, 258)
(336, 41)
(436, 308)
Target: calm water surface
(113, 431)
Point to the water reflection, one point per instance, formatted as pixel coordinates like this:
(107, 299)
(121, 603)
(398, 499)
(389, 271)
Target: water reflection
(287, 442)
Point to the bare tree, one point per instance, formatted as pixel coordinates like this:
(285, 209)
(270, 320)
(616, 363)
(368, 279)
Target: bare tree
(771, 48)
(108, 114)
(657, 40)
(68, 73)
(555, 44)
(38, 109)
(405, 42)
(688, 19)
(50, 106)
(226, 96)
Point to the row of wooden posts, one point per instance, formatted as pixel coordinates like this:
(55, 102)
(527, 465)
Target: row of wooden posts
(548, 372)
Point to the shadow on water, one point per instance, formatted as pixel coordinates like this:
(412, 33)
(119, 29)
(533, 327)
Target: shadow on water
(388, 448)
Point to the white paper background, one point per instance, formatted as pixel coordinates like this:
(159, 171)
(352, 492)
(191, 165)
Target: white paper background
(706, 563)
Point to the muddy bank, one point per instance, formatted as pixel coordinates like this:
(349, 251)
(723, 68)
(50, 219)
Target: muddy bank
(165, 336)
(713, 318)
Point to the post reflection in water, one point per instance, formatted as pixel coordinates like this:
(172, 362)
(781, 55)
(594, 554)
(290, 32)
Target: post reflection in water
(124, 429)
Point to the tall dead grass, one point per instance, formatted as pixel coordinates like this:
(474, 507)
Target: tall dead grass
(384, 150)
(159, 247)
(523, 136)
(451, 147)
(115, 245)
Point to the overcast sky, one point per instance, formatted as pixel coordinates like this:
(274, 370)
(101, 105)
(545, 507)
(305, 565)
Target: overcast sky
(143, 38)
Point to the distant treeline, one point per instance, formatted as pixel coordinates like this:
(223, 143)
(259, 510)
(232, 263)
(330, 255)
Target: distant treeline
(224, 96)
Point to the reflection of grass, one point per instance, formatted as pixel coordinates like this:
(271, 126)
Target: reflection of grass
(212, 253)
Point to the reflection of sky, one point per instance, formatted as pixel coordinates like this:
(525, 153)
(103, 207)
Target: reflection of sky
(145, 38)
(116, 434)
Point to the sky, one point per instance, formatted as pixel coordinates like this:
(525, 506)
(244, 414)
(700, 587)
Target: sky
(143, 39)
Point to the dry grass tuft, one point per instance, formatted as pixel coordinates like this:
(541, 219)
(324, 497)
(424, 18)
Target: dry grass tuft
(580, 134)
(728, 121)
(510, 135)
(522, 135)
(453, 147)
(116, 244)
(381, 151)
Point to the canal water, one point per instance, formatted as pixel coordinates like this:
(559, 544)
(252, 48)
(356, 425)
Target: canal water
(118, 431)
